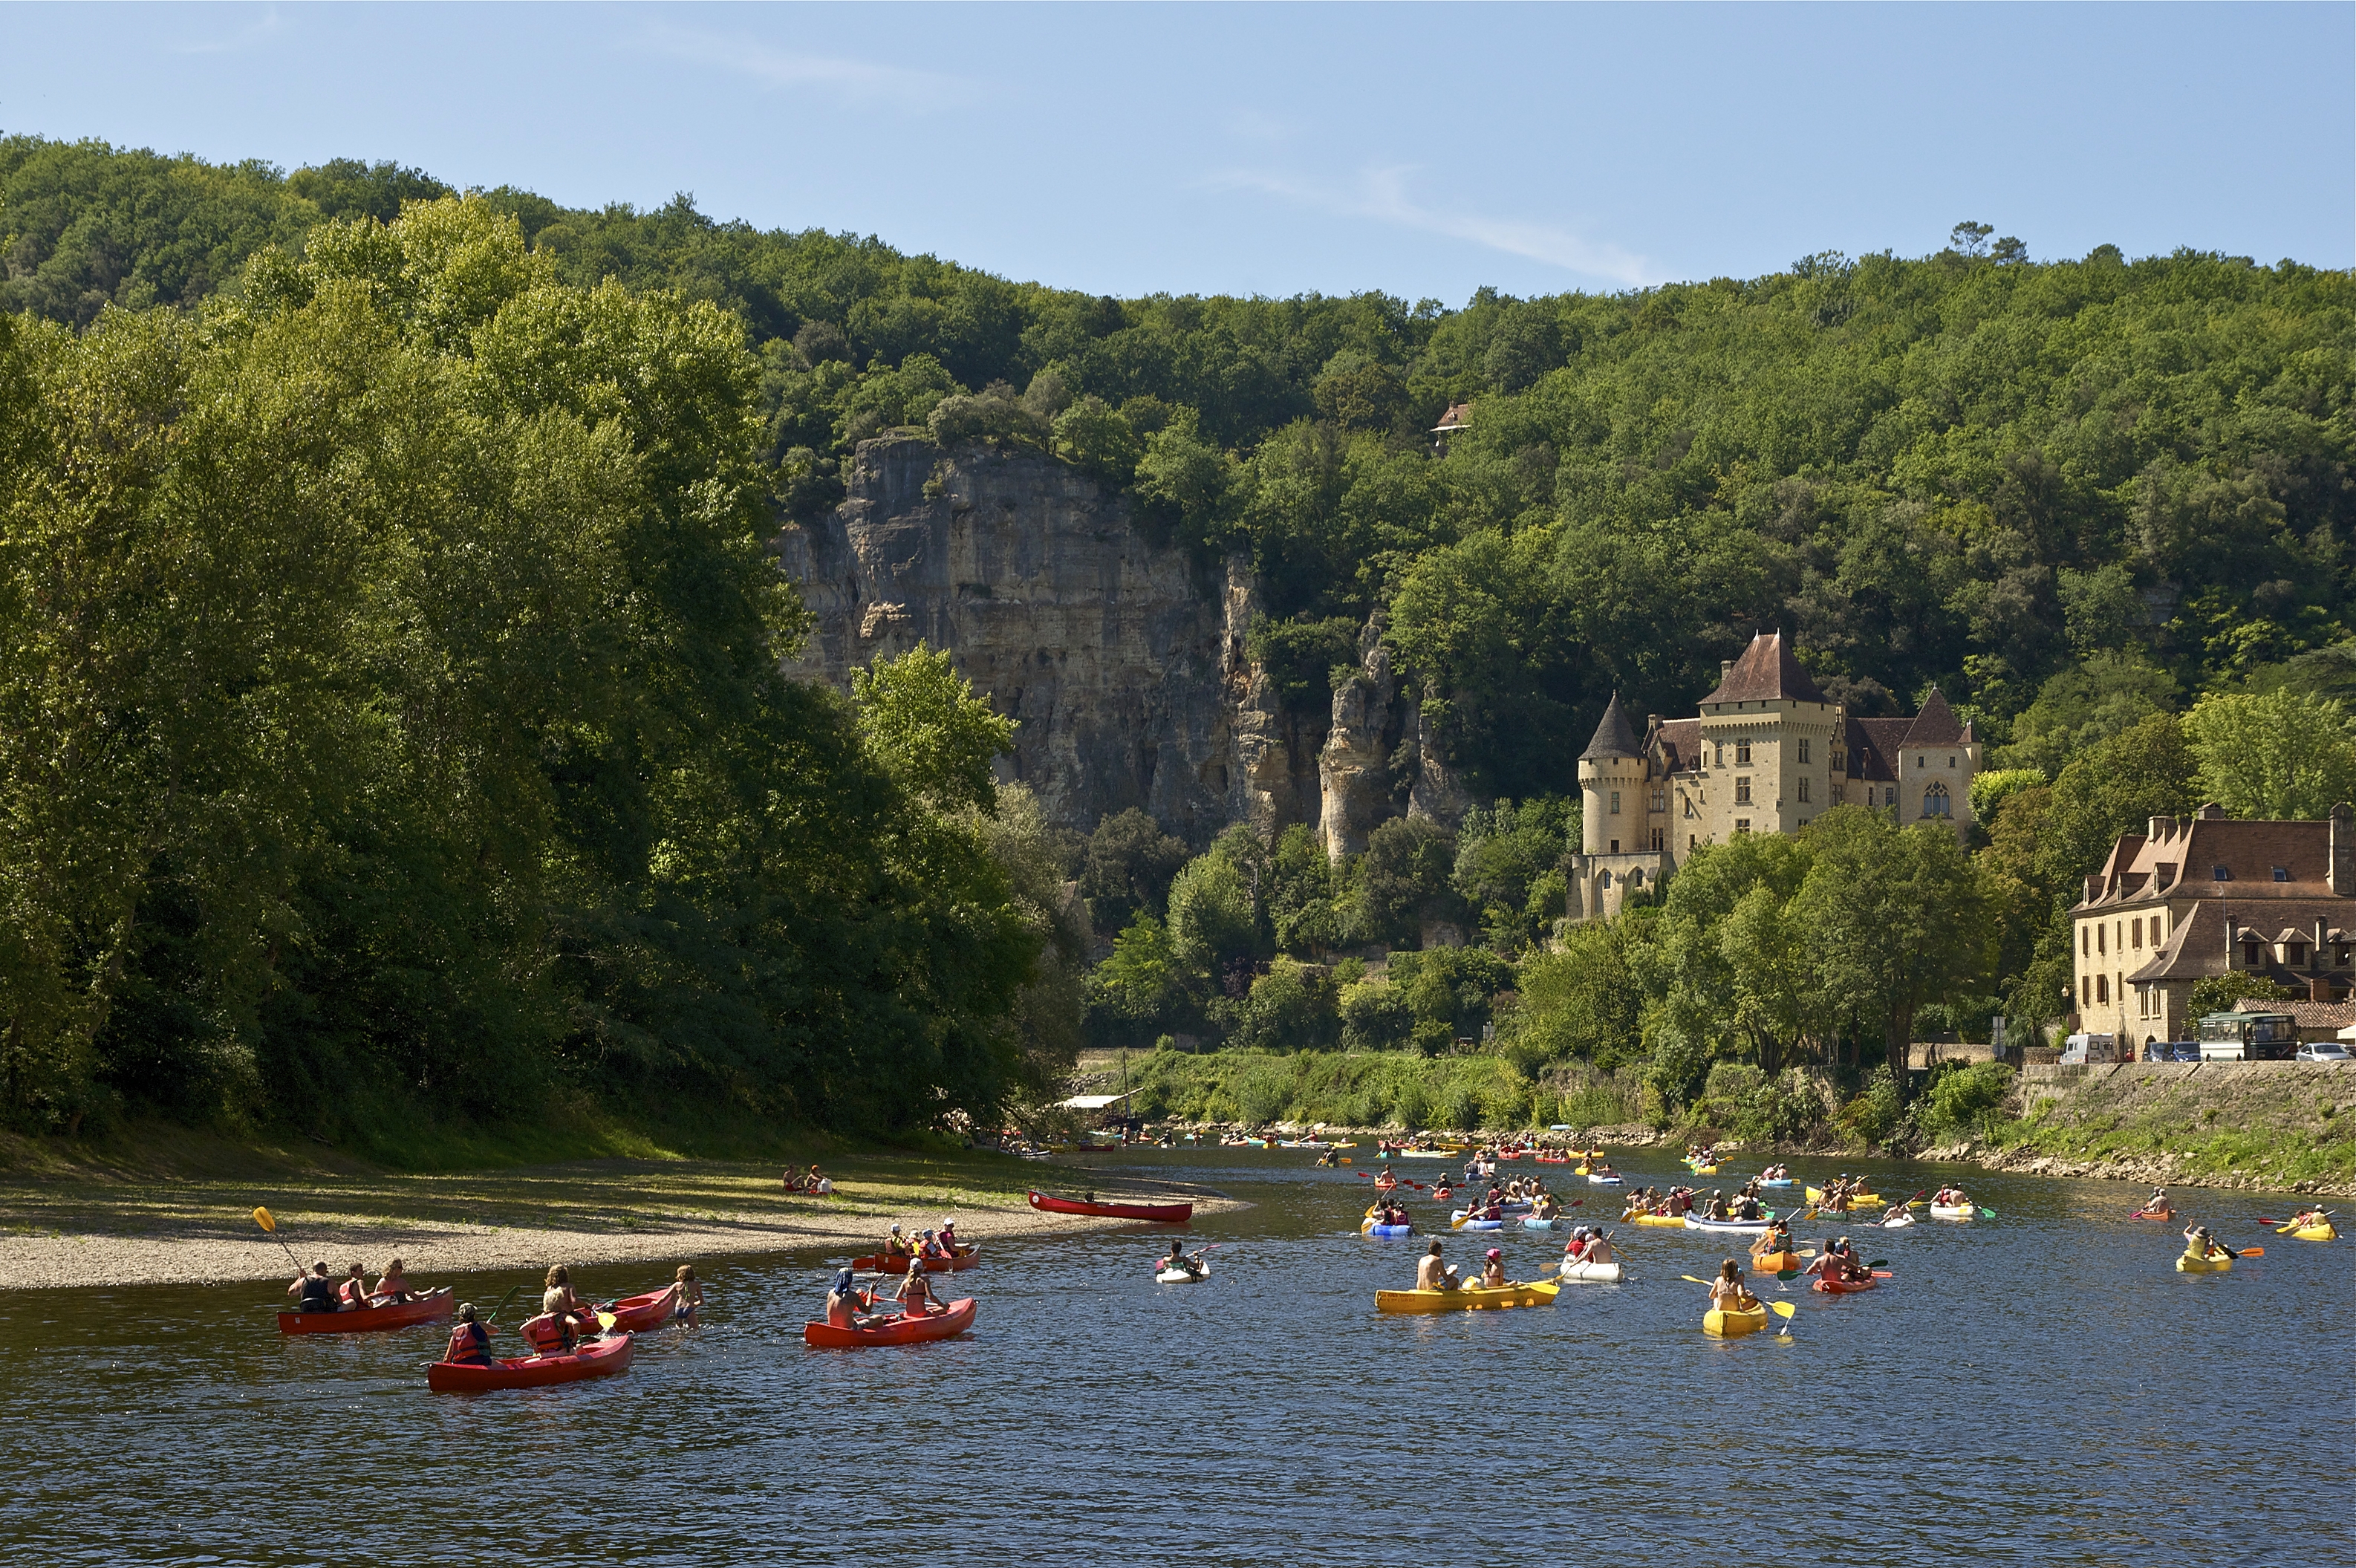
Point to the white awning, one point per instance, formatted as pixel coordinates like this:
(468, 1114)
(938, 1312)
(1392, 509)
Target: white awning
(1089, 1101)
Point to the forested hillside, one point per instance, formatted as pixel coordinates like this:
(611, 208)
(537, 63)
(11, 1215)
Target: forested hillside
(2076, 495)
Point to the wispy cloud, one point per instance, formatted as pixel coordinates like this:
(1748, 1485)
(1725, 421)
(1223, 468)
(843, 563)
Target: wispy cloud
(854, 78)
(1382, 194)
(260, 30)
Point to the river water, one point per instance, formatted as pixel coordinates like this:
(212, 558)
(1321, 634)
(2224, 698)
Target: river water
(2039, 1388)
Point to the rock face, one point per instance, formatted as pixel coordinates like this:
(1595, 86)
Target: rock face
(1356, 794)
(1122, 661)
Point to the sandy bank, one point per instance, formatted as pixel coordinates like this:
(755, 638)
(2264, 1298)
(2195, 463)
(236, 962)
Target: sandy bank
(65, 1233)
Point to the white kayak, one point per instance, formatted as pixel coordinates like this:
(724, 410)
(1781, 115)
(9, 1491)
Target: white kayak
(1605, 1181)
(1899, 1221)
(1609, 1273)
(1952, 1211)
(1732, 1227)
(1183, 1277)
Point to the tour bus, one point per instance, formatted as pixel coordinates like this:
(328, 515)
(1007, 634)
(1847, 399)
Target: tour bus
(2080, 1049)
(2248, 1037)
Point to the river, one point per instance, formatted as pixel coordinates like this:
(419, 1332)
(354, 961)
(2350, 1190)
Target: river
(2042, 1387)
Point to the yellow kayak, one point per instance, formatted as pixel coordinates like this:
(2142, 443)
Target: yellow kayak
(1857, 1201)
(1703, 1170)
(2323, 1232)
(1734, 1325)
(1469, 1298)
(2214, 1263)
(1674, 1221)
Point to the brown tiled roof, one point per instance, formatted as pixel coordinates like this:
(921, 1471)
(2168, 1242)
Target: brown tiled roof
(1873, 748)
(2197, 948)
(1765, 672)
(1458, 417)
(2194, 950)
(1935, 724)
(2308, 1015)
(1679, 744)
(1613, 737)
(2183, 861)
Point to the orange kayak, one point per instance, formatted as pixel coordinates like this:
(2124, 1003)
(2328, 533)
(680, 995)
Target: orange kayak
(1776, 1262)
(595, 1359)
(637, 1313)
(877, 1263)
(432, 1307)
(892, 1330)
(1845, 1287)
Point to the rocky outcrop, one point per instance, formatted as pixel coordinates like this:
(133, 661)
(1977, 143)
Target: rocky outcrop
(1354, 777)
(1122, 661)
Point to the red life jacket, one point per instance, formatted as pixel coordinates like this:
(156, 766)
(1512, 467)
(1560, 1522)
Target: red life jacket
(468, 1342)
(352, 1293)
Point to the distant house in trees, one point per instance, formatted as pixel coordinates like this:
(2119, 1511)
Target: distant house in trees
(2205, 896)
(1768, 753)
(1458, 417)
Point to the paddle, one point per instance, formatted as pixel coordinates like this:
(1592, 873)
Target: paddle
(270, 1226)
(1786, 1311)
(502, 1306)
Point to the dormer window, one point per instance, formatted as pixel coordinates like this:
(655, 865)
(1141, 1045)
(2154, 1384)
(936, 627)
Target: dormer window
(2295, 953)
(2221, 873)
(2249, 955)
(2282, 873)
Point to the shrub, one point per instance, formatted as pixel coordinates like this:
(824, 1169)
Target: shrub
(1960, 1098)
(1412, 1105)
(1459, 1108)
(1872, 1116)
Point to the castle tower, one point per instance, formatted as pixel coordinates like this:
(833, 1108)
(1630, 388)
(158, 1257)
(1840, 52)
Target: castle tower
(1612, 787)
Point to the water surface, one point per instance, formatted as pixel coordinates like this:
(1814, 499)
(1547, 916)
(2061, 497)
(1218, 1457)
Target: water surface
(2041, 1388)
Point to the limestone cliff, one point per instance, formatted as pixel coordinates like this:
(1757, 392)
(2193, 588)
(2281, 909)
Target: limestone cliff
(1122, 661)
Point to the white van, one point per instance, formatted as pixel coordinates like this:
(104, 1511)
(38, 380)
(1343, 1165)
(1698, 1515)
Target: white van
(2079, 1050)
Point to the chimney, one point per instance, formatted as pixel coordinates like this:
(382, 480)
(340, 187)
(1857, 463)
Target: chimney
(2162, 828)
(1725, 669)
(2342, 872)
(2319, 988)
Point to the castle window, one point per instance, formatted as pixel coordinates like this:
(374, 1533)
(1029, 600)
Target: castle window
(1742, 752)
(2083, 950)
(1722, 754)
(1742, 790)
(1935, 802)
(1804, 748)
(1742, 824)
(2339, 955)
(1636, 878)
(2135, 930)
(1888, 795)
(1692, 843)
(1615, 846)
(1660, 800)
(2294, 954)
(1688, 800)
(1803, 786)
(2102, 937)
(2102, 988)
(1838, 790)
(1951, 761)
(2249, 955)
(1658, 835)
(1607, 875)
(1615, 802)
(2085, 989)
(2282, 873)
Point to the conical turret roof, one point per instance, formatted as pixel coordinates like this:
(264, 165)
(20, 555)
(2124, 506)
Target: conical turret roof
(1935, 724)
(1613, 737)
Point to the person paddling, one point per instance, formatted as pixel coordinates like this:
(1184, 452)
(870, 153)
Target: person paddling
(470, 1342)
(915, 1293)
(316, 1290)
(846, 1305)
(1176, 1258)
(1727, 1292)
(2202, 1247)
(572, 1316)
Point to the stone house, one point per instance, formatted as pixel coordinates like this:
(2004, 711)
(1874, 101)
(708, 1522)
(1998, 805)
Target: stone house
(1769, 752)
(2207, 896)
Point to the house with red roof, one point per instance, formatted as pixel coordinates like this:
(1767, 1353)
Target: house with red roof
(1768, 753)
(2197, 897)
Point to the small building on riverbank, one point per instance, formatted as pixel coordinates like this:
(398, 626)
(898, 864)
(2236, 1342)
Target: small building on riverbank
(2206, 896)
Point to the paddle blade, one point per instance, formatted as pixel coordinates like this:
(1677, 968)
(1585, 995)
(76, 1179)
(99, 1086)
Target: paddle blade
(1987, 1213)
(1783, 1309)
(1788, 1275)
(262, 1217)
(1688, 1278)
(1878, 1264)
(2253, 1252)
(605, 1320)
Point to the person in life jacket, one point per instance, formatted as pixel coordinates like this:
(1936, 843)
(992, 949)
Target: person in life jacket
(315, 1290)
(352, 1295)
(949, 1243)
(470, 1342)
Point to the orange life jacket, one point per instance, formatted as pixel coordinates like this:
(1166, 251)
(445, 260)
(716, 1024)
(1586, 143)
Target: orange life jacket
(468, 1342)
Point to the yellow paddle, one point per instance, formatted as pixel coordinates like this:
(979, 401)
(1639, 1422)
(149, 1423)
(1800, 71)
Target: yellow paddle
(262, 1217)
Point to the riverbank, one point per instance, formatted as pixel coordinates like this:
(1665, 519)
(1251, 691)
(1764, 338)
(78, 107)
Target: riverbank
(84, 1223)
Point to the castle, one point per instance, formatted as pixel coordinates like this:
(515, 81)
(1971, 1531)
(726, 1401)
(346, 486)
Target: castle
(1768, 753)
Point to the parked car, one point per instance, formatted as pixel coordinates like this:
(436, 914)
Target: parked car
(2322, 1051)
(2171, 1051)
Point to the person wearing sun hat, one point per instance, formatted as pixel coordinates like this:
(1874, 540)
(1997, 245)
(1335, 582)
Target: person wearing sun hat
(1493, 1269)
(896, 1250)
(949, 1241)
(845, 1302)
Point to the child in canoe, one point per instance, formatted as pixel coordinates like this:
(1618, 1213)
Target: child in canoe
(392, 1286)
(1492, 1270)
(1727, 1292)
(470, 1342)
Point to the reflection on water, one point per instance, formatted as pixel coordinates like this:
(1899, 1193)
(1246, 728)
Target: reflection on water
(2041, 1388)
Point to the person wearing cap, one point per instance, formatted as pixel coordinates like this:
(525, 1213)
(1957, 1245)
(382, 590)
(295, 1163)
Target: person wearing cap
(949, 1240)
(896, 1250)
(1575, 1250)
(915, 1293)
(1493, 1269)
(846, 1304)
(470, 1342)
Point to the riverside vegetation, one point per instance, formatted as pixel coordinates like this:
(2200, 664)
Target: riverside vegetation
(455, 777)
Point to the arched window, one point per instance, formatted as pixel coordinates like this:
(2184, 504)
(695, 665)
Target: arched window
(1607, 879)
(1935, 802)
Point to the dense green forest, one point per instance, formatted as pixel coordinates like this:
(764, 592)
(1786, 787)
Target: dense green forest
(2080, 496)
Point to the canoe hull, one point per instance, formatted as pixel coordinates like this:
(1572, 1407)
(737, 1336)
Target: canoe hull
(1726, 1227)
(637, 1314)
(1609, 1273)
(1776, 1262)
(1387, 1230)
(894, 1331)
(1857, 1201)
(1661, 1222)
(877, 1263)
(598, 1359)
(1183, 1277)
(1470, 1298)
(1952, 1211)
(1843, 1287)
(1155, 1213)
(2188, 1264)
(1733, 1324)
(434, 1306)
(2313, 1233)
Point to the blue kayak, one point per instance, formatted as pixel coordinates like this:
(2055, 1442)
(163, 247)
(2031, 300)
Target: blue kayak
(1391, 1230)
(1538, 1225)
(1483, 1224)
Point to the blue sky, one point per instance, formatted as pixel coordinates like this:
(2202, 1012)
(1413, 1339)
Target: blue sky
(1424, 151)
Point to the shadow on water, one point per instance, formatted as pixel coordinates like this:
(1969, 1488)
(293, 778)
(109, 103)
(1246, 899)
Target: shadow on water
(2040, 1388)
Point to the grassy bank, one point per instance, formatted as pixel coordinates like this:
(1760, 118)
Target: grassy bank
(2278, 1127)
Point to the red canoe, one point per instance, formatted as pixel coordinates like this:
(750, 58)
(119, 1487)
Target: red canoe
(595, 1359)
(637, 1313)
(1160, 1213)
(877, 1263)
(432, 1307)
(1845, 1287)
(892, 1330)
